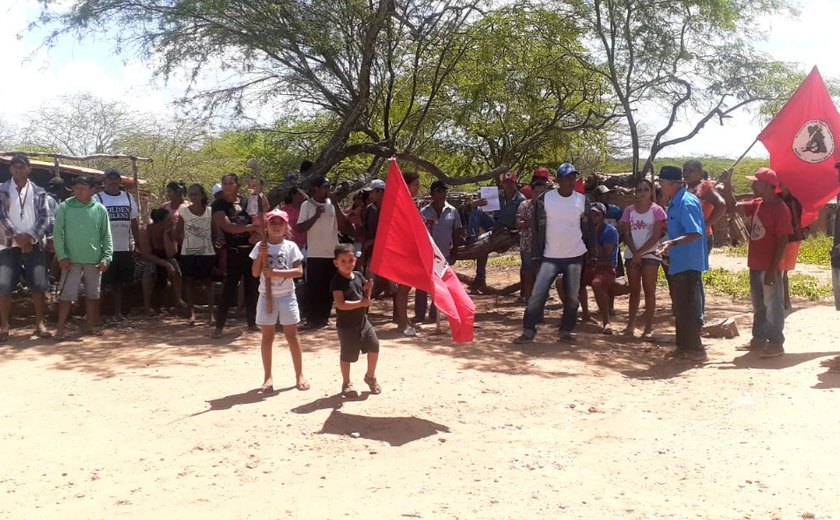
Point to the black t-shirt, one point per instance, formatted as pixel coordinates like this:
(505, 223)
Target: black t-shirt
(237, 214)
(371, 221)
(353, 291)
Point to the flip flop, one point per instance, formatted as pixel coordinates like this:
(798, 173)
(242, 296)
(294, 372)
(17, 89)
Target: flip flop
(373, 384)
(266, 389)
(302, 386)
(42, 333)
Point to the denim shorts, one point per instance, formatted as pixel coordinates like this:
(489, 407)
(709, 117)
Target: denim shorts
(31, 268)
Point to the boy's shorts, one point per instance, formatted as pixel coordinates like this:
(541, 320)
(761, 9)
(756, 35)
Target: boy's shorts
(353, 341)
(603, 274)
(121, 269)
(285, 311)
(72, 278)
(32, 268)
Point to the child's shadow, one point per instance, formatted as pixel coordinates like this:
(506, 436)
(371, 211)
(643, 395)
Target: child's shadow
(249, 397)
(333, 402)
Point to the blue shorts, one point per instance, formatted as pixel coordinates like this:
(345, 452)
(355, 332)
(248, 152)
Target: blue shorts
(285, 311)
(31, 268)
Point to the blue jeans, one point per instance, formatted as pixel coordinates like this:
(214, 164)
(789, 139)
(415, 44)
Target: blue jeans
(768, 303)
(550, 268)
(476, 221)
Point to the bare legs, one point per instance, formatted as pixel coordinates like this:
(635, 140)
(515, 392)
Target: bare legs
(266, 345)
(39, 304)
(642, 278)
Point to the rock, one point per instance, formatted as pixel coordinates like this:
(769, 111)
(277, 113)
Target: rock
(720, 328)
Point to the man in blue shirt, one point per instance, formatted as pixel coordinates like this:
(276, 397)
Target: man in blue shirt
(505, 218)
(686, 250)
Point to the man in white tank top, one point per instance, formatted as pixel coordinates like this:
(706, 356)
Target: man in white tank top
(561, 216)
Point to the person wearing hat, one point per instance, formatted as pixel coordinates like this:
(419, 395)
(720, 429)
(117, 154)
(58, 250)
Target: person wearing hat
(600, 272)
(24, 220)
(504, 218)
(84, 250)
(686, 251)
(320, 218)
(124, 218)
(769, 226)
(278, 261)
(562, 236)
(445, 227)
(370, 216)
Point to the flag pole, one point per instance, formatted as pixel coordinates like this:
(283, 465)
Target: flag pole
(750, 147)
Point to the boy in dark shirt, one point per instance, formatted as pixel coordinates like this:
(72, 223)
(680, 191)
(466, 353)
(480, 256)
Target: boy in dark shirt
(351, 293)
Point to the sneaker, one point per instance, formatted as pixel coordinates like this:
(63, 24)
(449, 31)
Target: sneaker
(771, 351)
(523, 339)
(566, 337)
(754, 344)
(349, 391)
(409, 332)
(698, 355)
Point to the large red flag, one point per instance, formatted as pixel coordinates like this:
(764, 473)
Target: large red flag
(404, 252)
(802, 141)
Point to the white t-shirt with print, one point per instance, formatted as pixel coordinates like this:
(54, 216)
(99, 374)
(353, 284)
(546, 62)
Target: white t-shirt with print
(563, 235)
(122, 209)
(322, 237)
(641, 227)
(280, 256)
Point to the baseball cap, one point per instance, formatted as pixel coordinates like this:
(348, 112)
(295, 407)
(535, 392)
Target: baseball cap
(438, 186)
(319, 181)
(566, 169)
(56, 184)
(597, 206)
(508, 177)
(217, 188)
(602, 189)
(112, 172)
(542, 172)
(19, 158)
(90, 181)
(376, 184)
(671, 173)
(767, 175)
(277, 213)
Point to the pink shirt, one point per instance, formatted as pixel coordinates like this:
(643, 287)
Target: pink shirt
(641, 226)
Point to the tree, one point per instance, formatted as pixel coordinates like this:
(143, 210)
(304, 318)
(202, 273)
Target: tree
(378, 76)
(690, 60)
(79, 124)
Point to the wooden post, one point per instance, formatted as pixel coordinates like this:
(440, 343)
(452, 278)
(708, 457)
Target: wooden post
(137, 186)
(56, 168)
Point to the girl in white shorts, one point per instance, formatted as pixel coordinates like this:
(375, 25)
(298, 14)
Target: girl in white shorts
(278, 260)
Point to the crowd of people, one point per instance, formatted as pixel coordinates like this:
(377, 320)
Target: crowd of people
(291, 264)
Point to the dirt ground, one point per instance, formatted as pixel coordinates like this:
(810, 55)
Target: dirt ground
(157, 420)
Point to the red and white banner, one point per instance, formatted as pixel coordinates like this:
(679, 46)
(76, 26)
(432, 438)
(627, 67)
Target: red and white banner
(404, 252)
(802, 141)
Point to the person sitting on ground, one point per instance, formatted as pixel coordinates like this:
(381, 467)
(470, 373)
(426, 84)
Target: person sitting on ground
(643, 224)
(278, 261)
(599, 272)
(481, 221)
(194, 231)
(124, 217)
(351, 293)
(83, 247)
(770, 227)
(444, 224)
(157, 248)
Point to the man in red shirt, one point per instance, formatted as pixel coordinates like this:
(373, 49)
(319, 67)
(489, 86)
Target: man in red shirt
(769, 229)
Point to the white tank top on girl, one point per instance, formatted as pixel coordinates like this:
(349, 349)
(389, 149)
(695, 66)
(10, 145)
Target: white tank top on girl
(198, 235)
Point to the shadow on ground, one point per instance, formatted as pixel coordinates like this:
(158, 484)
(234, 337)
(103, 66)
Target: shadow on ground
(396, 431)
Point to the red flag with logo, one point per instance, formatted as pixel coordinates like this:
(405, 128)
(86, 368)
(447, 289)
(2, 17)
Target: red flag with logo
(404, 252)
(802, 141)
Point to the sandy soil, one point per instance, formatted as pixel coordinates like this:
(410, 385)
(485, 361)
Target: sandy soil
(157, 420)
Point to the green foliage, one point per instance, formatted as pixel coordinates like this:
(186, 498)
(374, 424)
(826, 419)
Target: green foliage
(815, 250)
(737, 284)
(714, 165)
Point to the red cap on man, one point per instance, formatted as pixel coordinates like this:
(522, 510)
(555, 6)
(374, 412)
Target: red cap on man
(767, 175)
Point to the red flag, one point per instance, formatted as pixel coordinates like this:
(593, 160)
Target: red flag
(802, 141)
(405, 253)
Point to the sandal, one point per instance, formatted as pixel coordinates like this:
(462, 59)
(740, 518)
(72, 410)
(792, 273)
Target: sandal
(349, 390)
(373, 384)
(42, 333)
(302, 386)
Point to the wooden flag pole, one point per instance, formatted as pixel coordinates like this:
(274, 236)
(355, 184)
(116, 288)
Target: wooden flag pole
(254, 165)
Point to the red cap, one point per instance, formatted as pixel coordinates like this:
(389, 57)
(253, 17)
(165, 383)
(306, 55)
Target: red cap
(526, 191)
(277, 213)
(767, 175)
(579, 186)
(509, 177)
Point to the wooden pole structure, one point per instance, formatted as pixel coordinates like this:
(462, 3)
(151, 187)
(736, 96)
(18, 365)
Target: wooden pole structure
(254, 165)
(56, 168)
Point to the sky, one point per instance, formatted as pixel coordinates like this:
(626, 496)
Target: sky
(42, 75)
